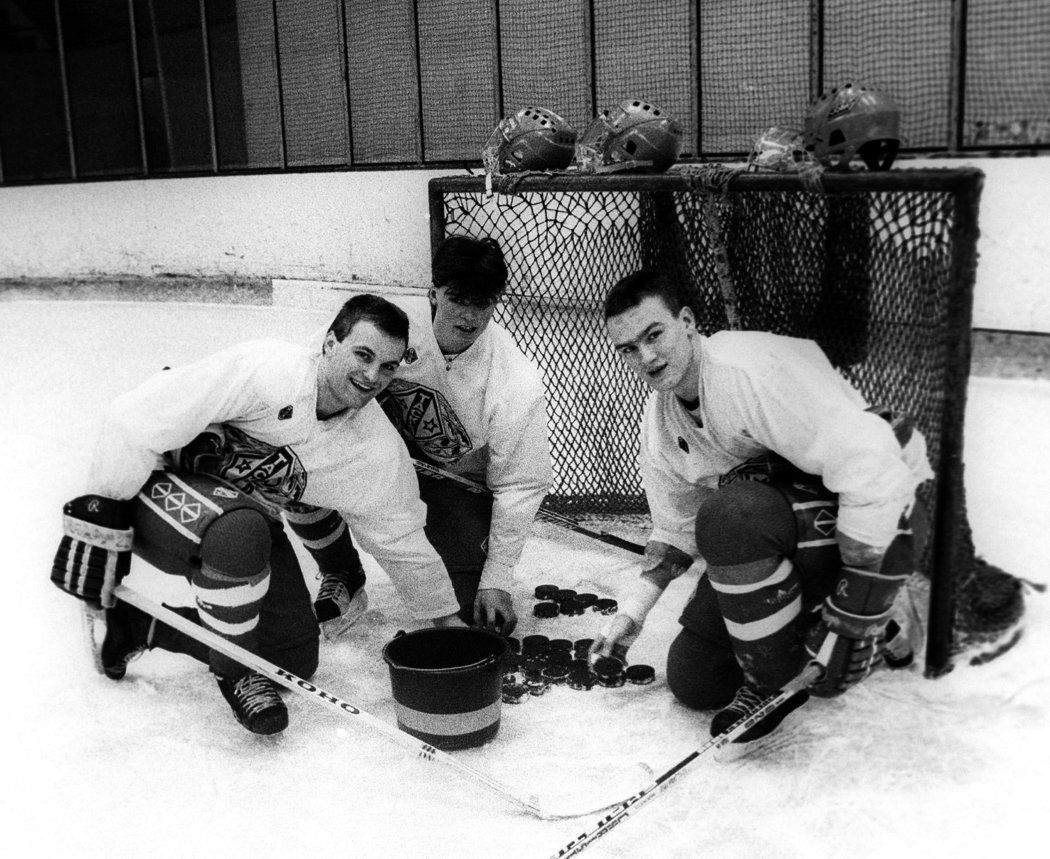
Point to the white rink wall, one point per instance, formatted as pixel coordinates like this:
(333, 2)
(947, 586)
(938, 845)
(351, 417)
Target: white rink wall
(374, 227)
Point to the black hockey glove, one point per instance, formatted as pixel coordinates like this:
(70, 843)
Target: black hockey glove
(846, 640)
(95, 553)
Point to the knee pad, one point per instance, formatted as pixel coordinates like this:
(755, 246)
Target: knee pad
(745, 522)
(237, 543)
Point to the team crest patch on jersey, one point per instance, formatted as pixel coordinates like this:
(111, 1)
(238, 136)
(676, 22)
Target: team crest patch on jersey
(258, 468)
(425, 417)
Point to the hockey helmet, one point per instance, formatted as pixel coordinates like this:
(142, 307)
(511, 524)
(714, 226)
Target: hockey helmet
(633, 135)
(853, 120)
(534, 138)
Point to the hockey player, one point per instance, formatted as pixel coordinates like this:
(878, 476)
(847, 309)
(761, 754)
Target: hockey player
(467, 400)
(192, 470)
(757, 456)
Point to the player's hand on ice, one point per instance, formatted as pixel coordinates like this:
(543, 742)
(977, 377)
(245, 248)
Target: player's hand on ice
(95, 551)
(617, 637)
(494, 610)
(448, 620)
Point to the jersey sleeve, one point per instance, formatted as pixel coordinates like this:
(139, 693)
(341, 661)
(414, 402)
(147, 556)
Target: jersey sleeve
(166, 412)
(804, 411)
(673, 500)
(389, 526)
(519, 475)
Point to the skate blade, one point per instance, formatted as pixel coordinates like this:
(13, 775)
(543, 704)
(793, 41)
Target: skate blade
(332, 629)
(94, 624)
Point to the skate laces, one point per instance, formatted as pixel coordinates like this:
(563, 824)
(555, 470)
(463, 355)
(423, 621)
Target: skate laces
(255, 693)
(746, 701)
(335, 587)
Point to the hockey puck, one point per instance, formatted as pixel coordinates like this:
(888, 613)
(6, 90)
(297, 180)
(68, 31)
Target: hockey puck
(546, 609)
(581, 680)
(511, 663)
(559, 644)
(612, 681)
(563, 594)
(582, 646)
(515, 693)
(534, 643)
(587, 599)
(556, 673)
(514, 644)
(545, 592)
(605, 606)
(570, 606)
(640, 675)
(607, 666)
(558, 657)
(537, 687)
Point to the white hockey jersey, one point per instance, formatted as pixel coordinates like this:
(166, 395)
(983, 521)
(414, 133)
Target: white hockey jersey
(262, 395)
(481, 414)
(762, 392)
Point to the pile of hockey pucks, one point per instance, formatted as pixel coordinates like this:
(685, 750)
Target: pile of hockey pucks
(537, 662)
(554, 601)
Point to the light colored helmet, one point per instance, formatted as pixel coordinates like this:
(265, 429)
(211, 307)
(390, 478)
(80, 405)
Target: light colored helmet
(853, 120)
(534, 138)
(634, 135)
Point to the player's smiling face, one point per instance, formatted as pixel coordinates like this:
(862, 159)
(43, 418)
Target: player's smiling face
(355, 370)
(457, 324)
(657, 345)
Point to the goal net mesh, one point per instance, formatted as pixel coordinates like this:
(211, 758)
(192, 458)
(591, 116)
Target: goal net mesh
(876, 268)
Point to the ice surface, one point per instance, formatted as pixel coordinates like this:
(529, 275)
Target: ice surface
(156, 766)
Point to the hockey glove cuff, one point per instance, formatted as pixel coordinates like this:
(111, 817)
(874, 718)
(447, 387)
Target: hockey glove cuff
(94, 554)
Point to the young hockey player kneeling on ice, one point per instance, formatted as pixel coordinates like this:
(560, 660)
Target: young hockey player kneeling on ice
(468, 401)
(757, 456)
(193, 469)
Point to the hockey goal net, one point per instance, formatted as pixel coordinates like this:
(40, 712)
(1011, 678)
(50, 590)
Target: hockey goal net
(878, 268)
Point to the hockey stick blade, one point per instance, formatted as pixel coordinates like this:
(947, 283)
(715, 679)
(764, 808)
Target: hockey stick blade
(632, 803)
(430, 470)
(527, 802)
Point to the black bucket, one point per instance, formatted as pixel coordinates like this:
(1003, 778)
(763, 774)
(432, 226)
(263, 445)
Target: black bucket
(447, 685)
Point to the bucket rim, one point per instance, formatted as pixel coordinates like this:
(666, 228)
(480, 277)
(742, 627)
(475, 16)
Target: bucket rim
(455, 630)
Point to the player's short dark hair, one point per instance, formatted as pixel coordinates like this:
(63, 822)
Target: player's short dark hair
(387, 317)
(471, 270)
(630, 291)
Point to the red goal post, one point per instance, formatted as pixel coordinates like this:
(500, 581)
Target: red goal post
(876, 267)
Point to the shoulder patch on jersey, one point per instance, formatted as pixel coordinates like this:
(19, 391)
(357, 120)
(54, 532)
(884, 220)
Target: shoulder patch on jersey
(425, 417)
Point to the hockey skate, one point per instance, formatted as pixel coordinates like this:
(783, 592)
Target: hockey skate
(760, 737)
(341, 601)
(255, 703)
(117, 636)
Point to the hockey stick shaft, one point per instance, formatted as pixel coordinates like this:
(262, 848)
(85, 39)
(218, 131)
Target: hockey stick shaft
(318, 695)
(556, 518)
(630, 805)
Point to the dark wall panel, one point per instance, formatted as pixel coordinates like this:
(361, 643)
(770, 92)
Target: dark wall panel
(457, 47)
(313, 86)
(34, 136)
(545, 49)
(383, 81)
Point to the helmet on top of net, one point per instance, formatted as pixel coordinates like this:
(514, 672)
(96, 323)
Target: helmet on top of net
(853, 120)
(634, 135)
(534, 138)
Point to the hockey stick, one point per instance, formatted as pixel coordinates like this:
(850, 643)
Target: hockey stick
(427, 752)
(630, 805)
(556, 518)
